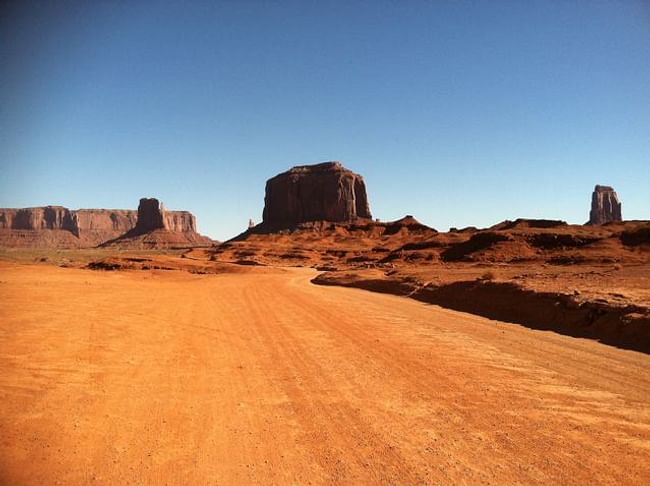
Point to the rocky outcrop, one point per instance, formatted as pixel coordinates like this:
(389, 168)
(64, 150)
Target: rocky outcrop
(48, 217)
(152, 215)
(158, 228)
(75, 221)
(605, 206)
(60, 227)
(180, 221)
(104, 220)
(320, 192)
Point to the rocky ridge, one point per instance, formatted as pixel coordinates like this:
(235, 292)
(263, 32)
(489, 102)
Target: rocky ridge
(60, 227)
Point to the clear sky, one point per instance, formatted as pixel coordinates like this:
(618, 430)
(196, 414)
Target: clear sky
(460, 113)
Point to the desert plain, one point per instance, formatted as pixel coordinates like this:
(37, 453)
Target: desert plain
(322, 346)
(178, 369)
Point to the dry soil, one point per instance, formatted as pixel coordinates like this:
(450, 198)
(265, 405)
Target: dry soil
(167, 377)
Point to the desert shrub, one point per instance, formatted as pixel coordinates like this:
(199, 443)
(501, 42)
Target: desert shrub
(488, 275)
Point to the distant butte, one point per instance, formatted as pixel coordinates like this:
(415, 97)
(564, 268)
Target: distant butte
(158, 228)
(605, 206)
(60, 227)
(152, 215)
(320, 192)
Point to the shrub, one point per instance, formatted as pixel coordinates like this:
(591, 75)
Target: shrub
(489, 275)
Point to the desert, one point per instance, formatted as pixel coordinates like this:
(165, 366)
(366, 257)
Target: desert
(316, 351)
(324, 243)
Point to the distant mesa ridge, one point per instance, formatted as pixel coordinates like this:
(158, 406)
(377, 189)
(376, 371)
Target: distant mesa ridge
(605, 206)
(152, 215)
(60, 218)
(320, 192)
(60, 227)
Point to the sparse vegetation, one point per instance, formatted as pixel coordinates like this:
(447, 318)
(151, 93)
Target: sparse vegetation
(488, 275)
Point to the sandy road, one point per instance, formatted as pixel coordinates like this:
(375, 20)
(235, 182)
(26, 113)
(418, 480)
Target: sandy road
(173, 378)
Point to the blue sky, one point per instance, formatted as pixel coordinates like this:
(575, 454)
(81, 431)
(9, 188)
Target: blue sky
(460, 113)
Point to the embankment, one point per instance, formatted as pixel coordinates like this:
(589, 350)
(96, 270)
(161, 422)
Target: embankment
(624, 326)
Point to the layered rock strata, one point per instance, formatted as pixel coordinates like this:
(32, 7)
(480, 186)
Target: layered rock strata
(152, 215)
(320, 192)
(60, 227)
(605, 206)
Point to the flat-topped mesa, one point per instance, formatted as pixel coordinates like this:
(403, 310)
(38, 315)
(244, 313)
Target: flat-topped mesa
(91, 225)
(152, 215)
(107, 220)
(47, 217)
(320, 192)
(60, 227)
(605, 206)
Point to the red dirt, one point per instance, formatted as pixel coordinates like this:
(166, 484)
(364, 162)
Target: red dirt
(259, 377)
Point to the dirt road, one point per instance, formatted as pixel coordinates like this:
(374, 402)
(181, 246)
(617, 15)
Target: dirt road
(172, 378)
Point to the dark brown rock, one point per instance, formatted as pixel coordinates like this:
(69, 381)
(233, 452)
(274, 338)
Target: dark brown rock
(605, 206)
(320, 192)
(152, 215)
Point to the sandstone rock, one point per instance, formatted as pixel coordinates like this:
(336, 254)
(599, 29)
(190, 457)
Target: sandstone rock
(48, 217)
(158, 228)
(605, 206)
(105, 220)
(320, 192)
(152, 215)
(59, 227)
(56, 226)
(180, 221)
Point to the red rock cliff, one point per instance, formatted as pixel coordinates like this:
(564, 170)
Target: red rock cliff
(320, 192)
(59, 227)
(605, 206)
(152, 215)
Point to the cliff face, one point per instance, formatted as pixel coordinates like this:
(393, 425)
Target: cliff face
(119, 220)
(605, 206)
(180, 221)
(60, 218)
(94, 226)
(49, 217)
(152, 215)
(320, 192)
(56, 226)
(60, 227)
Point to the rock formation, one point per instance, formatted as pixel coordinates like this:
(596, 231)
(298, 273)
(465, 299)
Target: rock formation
(100, 221)
(158, 228)
(56, 226)
(180, 221)
(320, 192)
(605, 206)
(152, 215)
(49, 217)
(59, 227)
